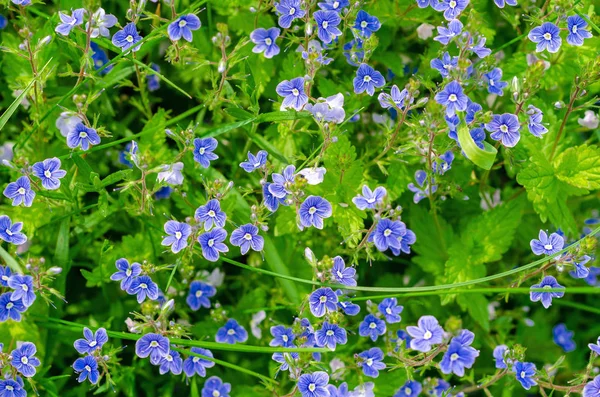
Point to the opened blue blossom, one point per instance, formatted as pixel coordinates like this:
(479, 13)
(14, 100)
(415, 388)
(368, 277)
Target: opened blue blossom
(143, 287)
(387, 233)
(563, 337)
(183, 27)
(177, 235)
(390, 310)
(534, 123)
(87, 368)
(505, 128)
(285, 359)
(499, 355)
(5, 274)
(172, 363)
(411, 388)
(199, 295)
(101, 22)
(322, 300)
(367, 79)
(348, 307)
(11, 233)
(214, 386)
(154, 345)
(265, 41)
(282, 183)
(479, 49)
(126, 272)
(370, 199)
(577, 27)
(372, 362)
(330, 335)
(342, 274)
(548, 282)
(427, 333)
(493, 80)
(446, 34)
(203, 151)
(246, 237)
(327, 25)
(68, 22)
(92, 341)
(293, 93)
(212, 244)
(10, 309)
(592, 388)
(24, 360)
(353, 52)
(314, 385)
(423, 3)
(396, 99)
(20, 192)
(282, 336)
(100, 58)
(372, 327)
(366, 24)
(127, 38)
(545, 245)
(231, 333)
(171, 174)
(472, 109)
(460, 354)
(49, 172)
(524, 373)
(452, 98)
(451, 8)
(444, 65)
(23, 289)
(313, 210)
(12, 387)
(334, 5)
(581, 271)
(211, 215)
(82, 136)
(547, 37)
(445, 163)
(403, 338)
(289, 10)
(501, 3)
(255, 162)
(197, 365)
(271, 202)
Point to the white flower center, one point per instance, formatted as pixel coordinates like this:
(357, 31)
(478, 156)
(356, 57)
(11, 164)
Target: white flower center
(373, 325)
(285, 338)
(452, 97)
(323, 299)
(248, 236)
(312, 387)
(24, 287)
(292, 11)
(325, 24)
(211, 213)
(547, 36)
(178, 235)
(454, 357)
(387, 232)
(364, 24)
(312, 210)
(339, 274)
(10, 233)
(548, 246)
(408, 391)
(329, 333)
(367, 78)
(196, 359)
(369, 362)
(83, 134)
(574, 30)
(24, 360)
(504, 128)
(452, 4)
(388, 310)
(88, 368)
(47, 174)
(129, 38)
(371, 200)
(295, 92)
(21, 191)
(216, 393)
(522, 374)
(336, 4)
(9, 388)
(182, 23)
(492, 83)
(9, 305)
(231, 332)
(211, 242)
(268, 41)
(143, 285)
(93, 343)
(427, 335)
(198, 294)
(169, 357)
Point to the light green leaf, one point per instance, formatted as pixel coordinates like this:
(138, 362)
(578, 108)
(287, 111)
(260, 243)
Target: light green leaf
(579, 166)
(483, 158)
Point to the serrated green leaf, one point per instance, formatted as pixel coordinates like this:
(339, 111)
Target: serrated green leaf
(579, 166)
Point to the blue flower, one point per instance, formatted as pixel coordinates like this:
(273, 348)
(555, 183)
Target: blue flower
(505, 128)
(547, 37)
(92, 342)
(22, 2)
(100, 58)
(322, 300)
(387, 233)
(199, 294)
(445, 164)
(214, 386)
(563, 337)
(367, 79)
(101, 22)
(446, 34)
(288, 11)
(349, 308)
(353, 52)
(82, 136)
(126, 273)
(472, 109)
(3, 21)
(592, 389)
(330, 335)
(313, 210)
(460, 354)
(212, 244)
(402, 338)
(441, 388)
(265, 41)
(87, 368)
(445, 64)
(211, 214)
(11, 233)
(327, 25)
(372, 362)
(390, 310)
(152, 78)
(334, 5)
(127, 38)
(177, 234)
(577, 30)
(411, 388)
(246, 237)
(282, 336)
(143, 287)
(68, 22)
(10, 308)
(172, 362)
(293, 93)
(154, 345)
(370, 199)
(12, 387)
(163, 193)
(255, 162)
(285, 359)
(24, 360)
(366, 24)
(453, 98)
(372, 327)
(428, 333)
(451, 8)
(395, 99)
(423, 3)
(231, 333)
(524, 373)
(423, 191)
(499, 356)
(479, 49)
(595, 347)
(581, 271)
(203, 151)
(23, 289)
(548, 282)
(495, 85)
(342, 274)
(271, 202)
(500, 3)
(20, 192)
(49, 172)
(280, 187)
(5, 272)
(314, 385)
(183, 26)
(197, 365)
(536, 128)
(547, 245)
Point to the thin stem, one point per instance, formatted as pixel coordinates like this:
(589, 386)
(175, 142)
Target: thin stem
(564, 121)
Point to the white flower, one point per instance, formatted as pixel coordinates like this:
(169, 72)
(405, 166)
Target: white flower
(425, 31)
(257, 318)
(590, 120)
(337, 368)
(216, 278)
(171, 174)
(313, 176)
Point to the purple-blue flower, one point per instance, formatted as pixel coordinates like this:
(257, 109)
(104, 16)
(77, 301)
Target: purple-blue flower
(453, 98)
(284, 359)
(366, 24)
(11, 233)
(342, 274)
(395, 98)
(498, 354)
(203, 151)
(547, 37)
(367, 79)
(127, 38)
(23, 289)
(370, 199)
(493, 80)
(13, 387)
(82, 136)
(460, 354)
(581, 271)
(143, 287)
(154, 345)
(479, 49)
(536, 128)
(372, 362)
(313, 210)
(211, 215)
(212, 244)
(387, 233)
(402, 338)
(68, 22)
(390, 310)
(576, 26)
(444, 164)
(592, 389)
(411, 388)
(10, 308)
(427, 333)
(100, 59)
(197, 365)
(314, 385)
(126, 272)
(445, 34)
(87, 368)
(231, 333)
(24, 360)
(348, 307)
(246, 237)
(177, 234)
(451, 8)
(280, 187)
(501, 3)
(372, 327)
(255, 162)
(545, 245)
(5, 273)
(271, 202)
(293, 93)
(214, 386)
(92, 341)
(49, 172)
(563, 337)
(282, 336)
(20, 192)
(445, 64)
(548, 282)
(423, 3)
(322, 300)
(265, 42)
(101, 22)
(327, 25)
(334, 5)
(505, 128)
(199, 295)
(289, 10)
(183, 26)
(524, 373)
(330, 335)
(423, 190)
(172, 362)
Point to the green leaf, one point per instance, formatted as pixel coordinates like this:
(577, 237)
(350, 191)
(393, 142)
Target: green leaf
(84, 168)
(477, 307)
(483, 158)
(579, 166)
(431, 245)
(10, 261)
